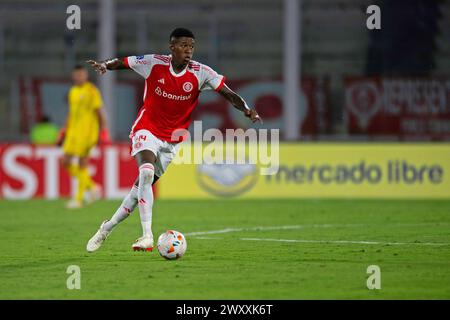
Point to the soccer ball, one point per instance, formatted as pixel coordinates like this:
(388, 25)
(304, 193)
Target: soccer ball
(171, 244)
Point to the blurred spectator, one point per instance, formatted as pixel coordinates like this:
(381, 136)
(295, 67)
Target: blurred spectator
(44, 132)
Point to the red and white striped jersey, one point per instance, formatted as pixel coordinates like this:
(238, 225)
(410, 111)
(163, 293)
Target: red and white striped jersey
(169, 97)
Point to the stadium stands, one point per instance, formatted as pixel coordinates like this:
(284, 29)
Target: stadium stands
(243, 40)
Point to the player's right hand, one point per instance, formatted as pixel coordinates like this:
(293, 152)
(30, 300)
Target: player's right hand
(61, 136)
(253, 115)
(99, 67)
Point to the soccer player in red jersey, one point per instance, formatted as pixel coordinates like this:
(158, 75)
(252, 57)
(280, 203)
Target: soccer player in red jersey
(172, 87)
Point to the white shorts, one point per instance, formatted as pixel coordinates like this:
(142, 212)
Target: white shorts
(163, 150)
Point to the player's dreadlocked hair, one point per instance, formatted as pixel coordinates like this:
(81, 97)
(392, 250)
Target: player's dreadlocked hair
(181, 32)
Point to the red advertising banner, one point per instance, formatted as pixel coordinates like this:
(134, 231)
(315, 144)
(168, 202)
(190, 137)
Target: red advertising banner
(267, 97)
(40, 96)
(407, 108)
(28, 171)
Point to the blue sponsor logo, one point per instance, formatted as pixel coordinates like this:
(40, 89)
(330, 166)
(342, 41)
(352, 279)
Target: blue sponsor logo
(139, 57)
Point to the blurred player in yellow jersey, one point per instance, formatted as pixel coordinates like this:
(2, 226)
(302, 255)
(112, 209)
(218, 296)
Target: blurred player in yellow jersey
(85, 123)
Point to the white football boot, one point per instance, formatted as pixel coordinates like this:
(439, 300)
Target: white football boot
(74, 204)
(94, 194)
(97, 240)
(143, 244)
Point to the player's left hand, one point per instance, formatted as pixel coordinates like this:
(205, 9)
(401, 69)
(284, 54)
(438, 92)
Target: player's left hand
(100, 67)
(253, 115)
(104, 136)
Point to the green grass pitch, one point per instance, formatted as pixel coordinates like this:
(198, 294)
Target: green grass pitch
(259, 249)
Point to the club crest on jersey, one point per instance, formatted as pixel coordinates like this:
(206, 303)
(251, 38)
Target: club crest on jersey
(187, 87)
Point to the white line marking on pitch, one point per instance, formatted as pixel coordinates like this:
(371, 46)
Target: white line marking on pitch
(349, 242)
(228, 230)
(198, 235)
(333, 241)
(261, 228)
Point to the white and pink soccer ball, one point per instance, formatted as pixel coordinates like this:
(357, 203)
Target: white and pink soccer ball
(172, 245)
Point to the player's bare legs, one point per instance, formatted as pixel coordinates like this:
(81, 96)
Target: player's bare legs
(145, 160)
(85, 182)
(73, 170)
(80, 172)
(67, 163)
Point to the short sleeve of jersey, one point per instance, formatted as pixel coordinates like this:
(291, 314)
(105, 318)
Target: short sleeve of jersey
(97, 101)
(140, 64)
(210, 79)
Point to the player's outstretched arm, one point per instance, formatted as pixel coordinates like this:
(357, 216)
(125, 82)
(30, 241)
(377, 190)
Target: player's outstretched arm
(111, 64)
(239, 103)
